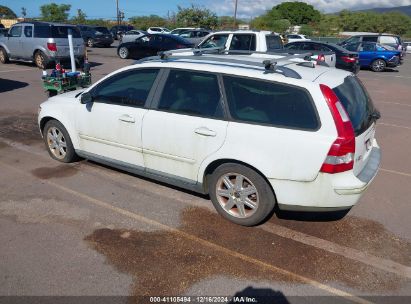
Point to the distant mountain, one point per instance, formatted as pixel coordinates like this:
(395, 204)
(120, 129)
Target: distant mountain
(403, 9)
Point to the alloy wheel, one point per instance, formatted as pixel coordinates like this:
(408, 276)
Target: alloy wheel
(237, 195)
(56, 142)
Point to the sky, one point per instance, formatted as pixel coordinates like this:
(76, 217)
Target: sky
(246, 8)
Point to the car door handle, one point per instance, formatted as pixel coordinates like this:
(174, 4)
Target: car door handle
(127, 118)
(205, 131)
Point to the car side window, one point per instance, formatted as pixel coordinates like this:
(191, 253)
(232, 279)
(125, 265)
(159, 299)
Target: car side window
(15, 31)
(370, 38)
(129, 88)
(243, 42)
(352, 47)
(368, 47)
(192, 93)
(215, 41)
(268, 103)
(388, 39)
(28, 31)
(294, 46)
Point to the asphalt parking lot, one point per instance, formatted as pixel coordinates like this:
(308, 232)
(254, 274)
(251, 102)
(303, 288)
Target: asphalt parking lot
(83, 229)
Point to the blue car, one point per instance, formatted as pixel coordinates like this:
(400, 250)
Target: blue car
(375, 56)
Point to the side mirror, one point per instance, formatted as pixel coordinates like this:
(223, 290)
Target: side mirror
(86, 98)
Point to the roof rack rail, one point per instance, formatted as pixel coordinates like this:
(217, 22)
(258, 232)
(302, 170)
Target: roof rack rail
(270, 65)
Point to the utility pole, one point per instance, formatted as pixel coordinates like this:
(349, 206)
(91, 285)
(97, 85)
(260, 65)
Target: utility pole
(117, 14)
(235, 14)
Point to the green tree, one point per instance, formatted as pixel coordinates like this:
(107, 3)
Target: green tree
(7, 13)
(144, 22)
(227, 22)
(298, 13)
(306, 30)
(196, 17)
(80, 18)
(54, 12)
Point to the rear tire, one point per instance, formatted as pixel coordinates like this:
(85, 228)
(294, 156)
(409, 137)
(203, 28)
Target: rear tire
(378, 65)
(241, 194)
(58, 142)
(90, 42)
(4, 58)
(123, 52)
(40, 60)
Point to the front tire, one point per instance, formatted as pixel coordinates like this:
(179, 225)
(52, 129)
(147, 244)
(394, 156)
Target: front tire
(123, 52)
(4, 58)
(241, 194)
(58, 142)
(378, 65)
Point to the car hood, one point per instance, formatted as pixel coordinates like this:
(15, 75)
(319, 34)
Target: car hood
(66, 97)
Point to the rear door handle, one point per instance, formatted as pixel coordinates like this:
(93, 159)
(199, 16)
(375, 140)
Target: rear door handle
(127, 118)
(205, 132)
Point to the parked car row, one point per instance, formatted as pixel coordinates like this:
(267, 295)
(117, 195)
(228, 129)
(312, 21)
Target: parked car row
(44, 43)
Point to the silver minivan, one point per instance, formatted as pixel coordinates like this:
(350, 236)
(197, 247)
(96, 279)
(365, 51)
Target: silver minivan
(42, 43)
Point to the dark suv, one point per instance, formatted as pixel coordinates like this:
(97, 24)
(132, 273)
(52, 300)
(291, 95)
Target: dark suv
(96, 35)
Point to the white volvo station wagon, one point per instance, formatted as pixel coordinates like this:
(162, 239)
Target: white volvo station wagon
(251, 134)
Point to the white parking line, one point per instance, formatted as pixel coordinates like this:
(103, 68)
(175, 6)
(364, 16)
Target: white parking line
(394, 126)
(243, 257)
(396, 103)
(396, 172)
(351, 253)
(20, 70)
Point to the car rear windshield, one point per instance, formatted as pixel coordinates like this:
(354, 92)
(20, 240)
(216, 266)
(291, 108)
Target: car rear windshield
(357, 102)
(273, 42)
(62, 31)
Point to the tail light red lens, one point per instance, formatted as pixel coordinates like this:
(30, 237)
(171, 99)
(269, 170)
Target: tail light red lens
(52, 47)
(180, 46)
(321, 57)
(340, 157)
(348, 59)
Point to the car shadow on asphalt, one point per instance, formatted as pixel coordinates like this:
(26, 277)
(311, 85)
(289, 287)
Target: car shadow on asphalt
(259, 295)
(10, 85)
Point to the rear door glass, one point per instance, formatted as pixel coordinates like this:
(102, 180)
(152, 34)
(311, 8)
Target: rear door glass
(370, 38)
(357, 103)
(215, 41)
(268, 103)
(243, 42)
(274, 42)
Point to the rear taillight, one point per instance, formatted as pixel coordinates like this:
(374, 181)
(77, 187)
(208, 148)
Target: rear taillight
(321, 57)
(180, 46)
(348, 59)
(340, 158)
(52, 46)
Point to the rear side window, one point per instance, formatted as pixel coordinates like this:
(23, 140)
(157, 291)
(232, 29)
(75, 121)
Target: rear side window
(243, 42)
(388, 40)
(270, 103)
(370, 38)
(274, 42)
(192, 93)
(42, 31)
(357, 103)
(62, 31)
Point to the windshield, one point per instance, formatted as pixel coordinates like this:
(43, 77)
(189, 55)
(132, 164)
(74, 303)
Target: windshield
(357, 103)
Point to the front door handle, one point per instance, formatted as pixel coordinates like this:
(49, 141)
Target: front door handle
(127, 118)
(205, 132)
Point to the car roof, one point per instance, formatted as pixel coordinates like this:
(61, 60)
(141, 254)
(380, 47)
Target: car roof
(211, 63)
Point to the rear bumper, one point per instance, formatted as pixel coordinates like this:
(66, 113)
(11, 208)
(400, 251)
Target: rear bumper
(328, 192)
